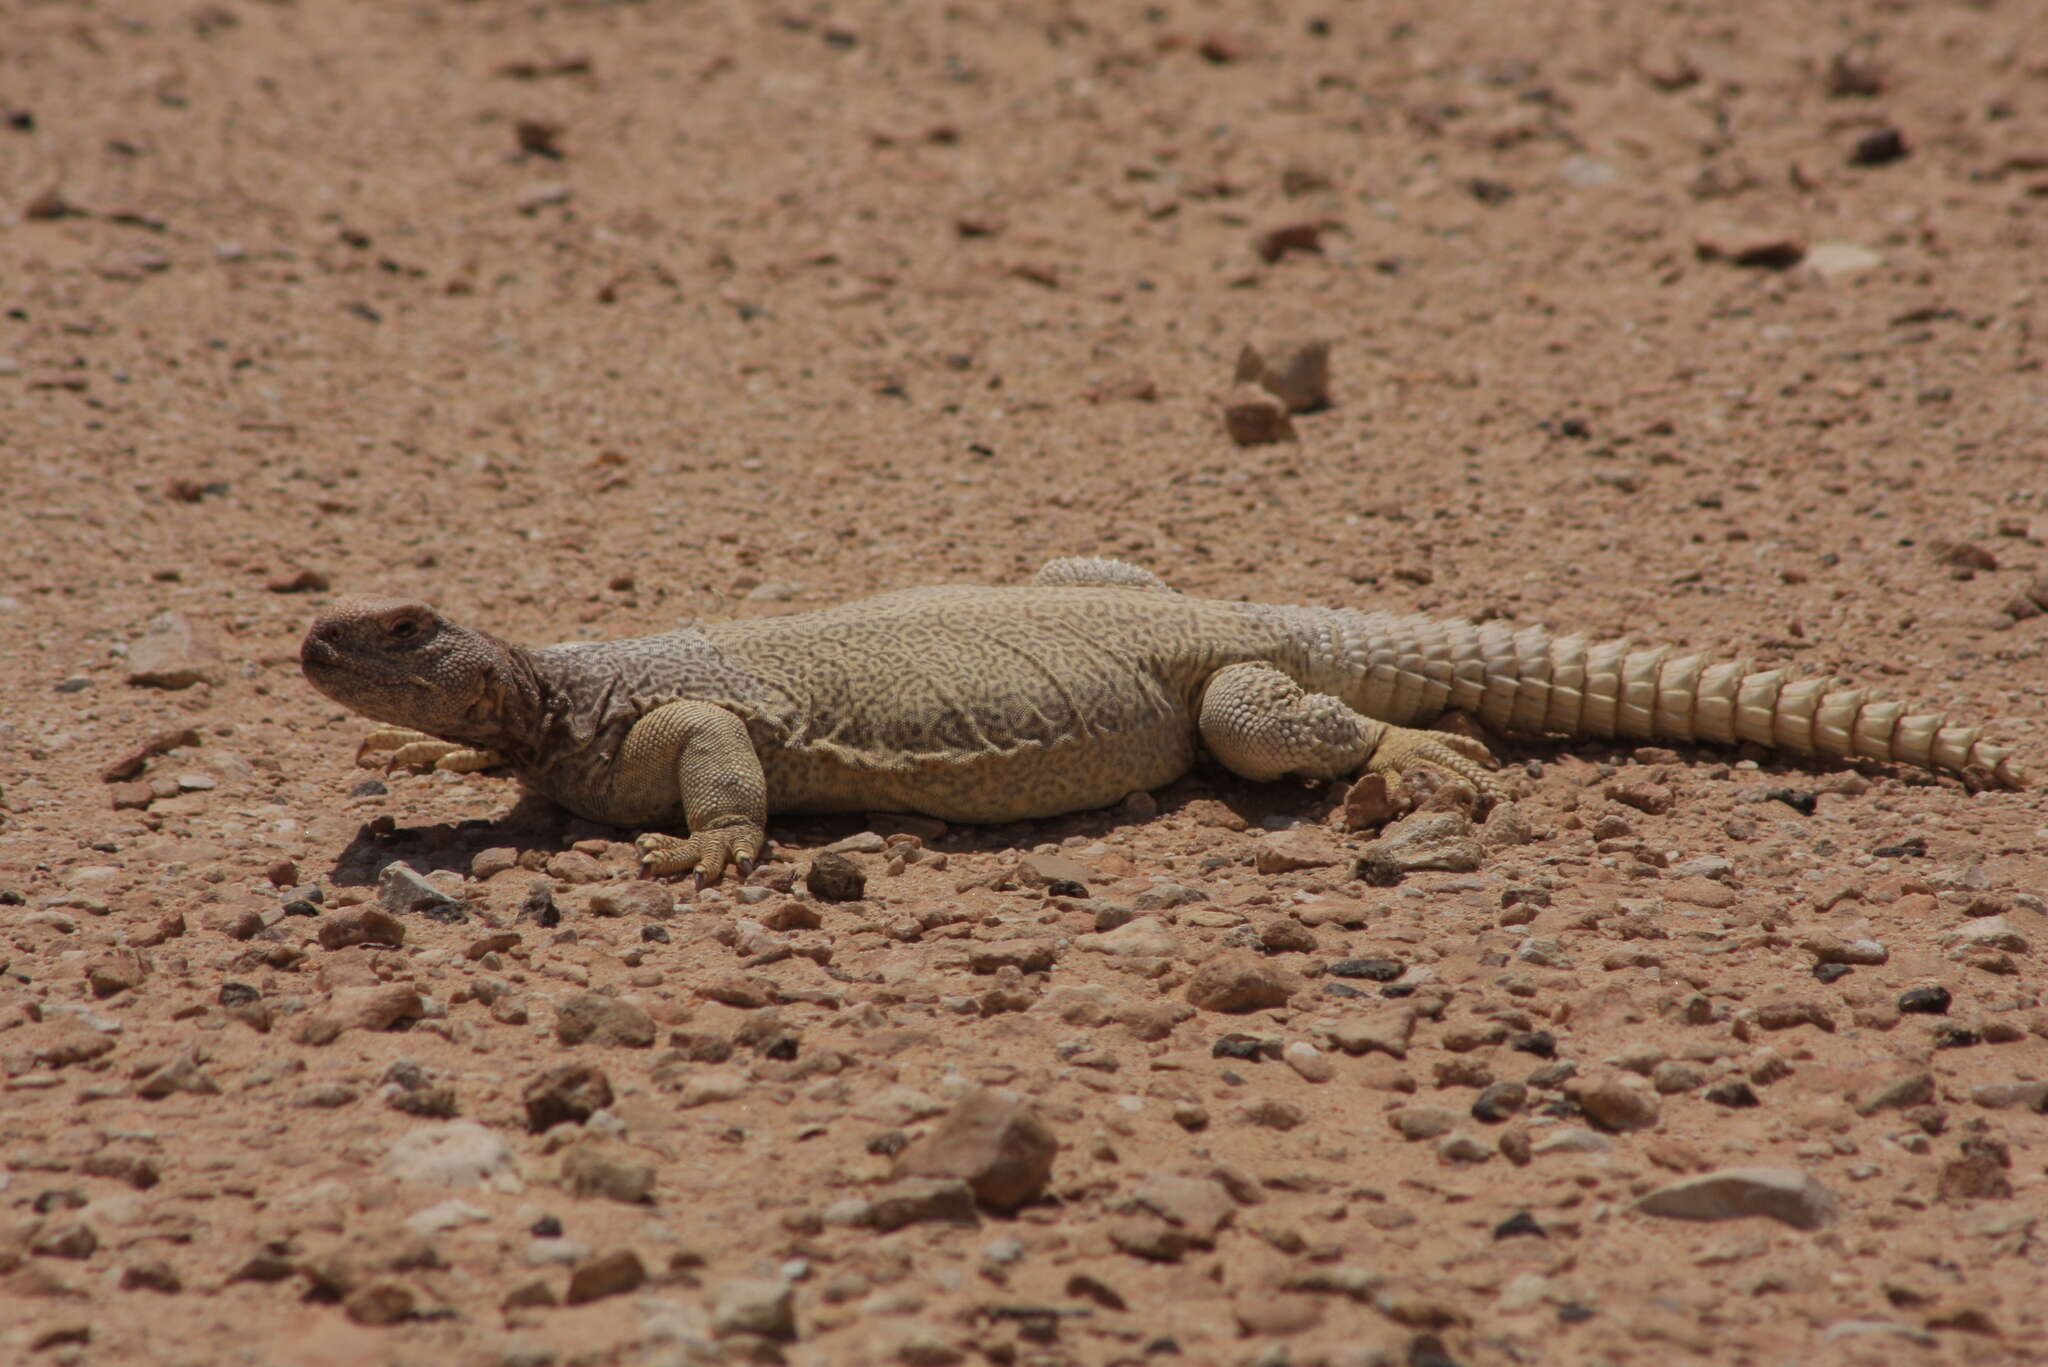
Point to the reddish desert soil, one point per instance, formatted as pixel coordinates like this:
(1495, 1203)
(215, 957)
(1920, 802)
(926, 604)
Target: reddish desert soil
(584, 320)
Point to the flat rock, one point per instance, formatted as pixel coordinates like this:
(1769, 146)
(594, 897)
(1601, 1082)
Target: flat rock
(607, 1274)
(651, 901)
(459, 1153)
(1144, 938)
(1425, 842)
(922, 1201)
(1617, 1101)
(1287, 851)
(1198, 1205)
(1786, 1194)
(172, 653)
(607, 1170)
(566, 1092)
(761, 1306)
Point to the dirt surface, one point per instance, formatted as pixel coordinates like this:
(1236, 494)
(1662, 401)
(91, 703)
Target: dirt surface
(585, 320)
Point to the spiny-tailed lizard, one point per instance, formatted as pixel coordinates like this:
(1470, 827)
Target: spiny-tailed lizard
(1000, 704)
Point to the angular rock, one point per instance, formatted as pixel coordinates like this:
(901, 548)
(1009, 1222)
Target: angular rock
(1384, 1032)
(181, 1074)
(1198, 1205)
(1253, 417)
(755, 1305)
(994, 1142)
(1415, 1123)
(922, 1201)
(608, 1274)
(1426, 841)
(402, 889)
(1287, 851)
(1789, 1195)
(360, 1008)
(566, 1092)
(1294, 370)
(1238, 981)
(1145, 938)
(607, 1170)
(593, 1018)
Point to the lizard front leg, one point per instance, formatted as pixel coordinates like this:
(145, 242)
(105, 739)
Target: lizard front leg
(1264, 725)
(699, 752)
(410, 749)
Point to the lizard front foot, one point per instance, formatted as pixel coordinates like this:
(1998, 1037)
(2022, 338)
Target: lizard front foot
(707, 851)
(409, 749)
(1400, 748)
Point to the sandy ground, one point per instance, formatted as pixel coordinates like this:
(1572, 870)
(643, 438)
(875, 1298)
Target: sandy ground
(1709, 324)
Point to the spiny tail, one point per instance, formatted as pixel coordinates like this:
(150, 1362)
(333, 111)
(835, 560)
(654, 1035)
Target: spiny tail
(1521, 678)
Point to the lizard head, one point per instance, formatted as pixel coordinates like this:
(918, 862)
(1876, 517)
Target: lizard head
(397, 660)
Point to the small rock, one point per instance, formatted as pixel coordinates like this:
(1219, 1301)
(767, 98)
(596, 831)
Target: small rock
(1569, 1139)
(1977, 1173)
(1275, 243)
(755, 1305)
(1253, 417)
(1239, 981)
(597, 1169)
(1144, 938)
(181, 1074)
(1287, 851)
(1500, 1102)
(835, 878)
(1880, 147)
(1368, 805)
(1426, 841)
(566, 1092)
(1616, 1101)
(361, 926)
(1307, 1060)
(172, 654)
(640, 897)
(1831, 262)
(1415, 1123)
(574, 866)
(995, 1143)
(608, 1274)
(1285, 935)
(401, 889)
(1386, 1032)
(592, 1017)
(1915, 1087)
(1372, 970)
(922, 1200)
(115, 972)
(458, 1154)
(1197, 1205)
(1294, 370)
(1785, 1194)
(1931, 1001)
(1754, 250)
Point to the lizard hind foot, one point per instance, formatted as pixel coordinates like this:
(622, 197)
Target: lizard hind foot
(1401, 748)
(707, 851)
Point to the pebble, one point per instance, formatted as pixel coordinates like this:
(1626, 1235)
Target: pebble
(639, 898)
(835, 878)
(1373, 970)
(1789, 1195)
(361, 926)
(1307, 1060)
(1499, 1102)
(1288, 851)
(755, 1305)
(1414, 1123)
(1200, 1207)
(607, 1170)
(1570, 1139)
(1427, 841)
(1616, 1101)
(401, 889)
(922, 1200)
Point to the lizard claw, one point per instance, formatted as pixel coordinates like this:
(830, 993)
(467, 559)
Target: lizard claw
(1402, 748)
(707, 851)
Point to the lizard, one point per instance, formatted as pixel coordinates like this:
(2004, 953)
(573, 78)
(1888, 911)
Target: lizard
(992, 704)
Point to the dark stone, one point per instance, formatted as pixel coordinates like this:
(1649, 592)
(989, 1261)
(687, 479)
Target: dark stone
(540, 906)
(1575, 1313)
(1925, 1001)
(568, 1091)
(1734, 1094)
(1244, 1047)
(1393, 990)
(655, 934)
(888, 1143)
(299, 906)
(1541, 1043)
(1341, 990)
(1828, 973)
(1374, 970)
(444, 913)
(236, 994)
(1064, 887)
(1949, 1035)
(835, 878)
(546, 1227)
(1913, 848)
(1500, 1101)
(369, 787)
(1519, 1225)
(1798, 799)
(1880, 148)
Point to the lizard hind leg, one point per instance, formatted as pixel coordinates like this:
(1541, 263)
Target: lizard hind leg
(405, 748)
(1260, 723)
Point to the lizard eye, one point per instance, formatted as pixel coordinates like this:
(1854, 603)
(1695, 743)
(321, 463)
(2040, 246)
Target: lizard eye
(405, 628)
